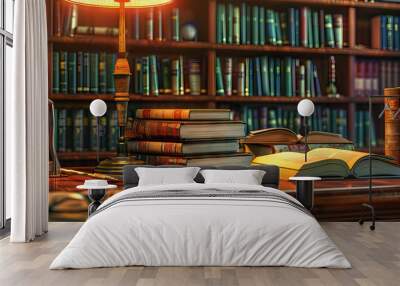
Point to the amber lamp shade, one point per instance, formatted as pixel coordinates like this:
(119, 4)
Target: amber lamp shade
(115, 3)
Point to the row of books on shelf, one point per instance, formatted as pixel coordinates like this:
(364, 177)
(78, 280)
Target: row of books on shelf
(373, 76)
(257, 25)
(385, 32)
(76, 130)
(363, 127)
(83, 72)
(267, 76)
(150, 24)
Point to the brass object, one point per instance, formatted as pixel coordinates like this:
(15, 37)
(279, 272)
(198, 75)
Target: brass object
(122, 74)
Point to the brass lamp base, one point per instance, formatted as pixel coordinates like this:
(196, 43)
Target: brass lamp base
(114, 166)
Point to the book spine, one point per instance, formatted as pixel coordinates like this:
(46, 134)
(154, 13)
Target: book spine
(279, 40)
(155, 129)
(94, 72)
(111, 59)
(136, 30)
(102, 73)
(248, 26)
(303, 27)
(321, 26)
(77, 134)
(254, 27)
(272, 76)
(150, 24)
(146, 75)
(222, 19)
(181, 77)
(384, 34)
(297, 27)
(153, 75)
(86, 72)
(389, 29)
(330, 40)
(229, 23)
(261, 25)
(56, 72)
(166, 75)
(228, 76)
(243, 29)
(175, 24)
(218, 77)
(175, 76)
(168, 114)
(264, 76)
(292, 27)
(284, 28)
(74, 20)
(151, 147)
(338, 27)
(396, 33)
(236, 25)
(271, 27)
(302, 81)
(79, 76)
(194, 77)
(61, 130)
(315, 27)
(241, 78)
(278, 77)
(112, 130)
(258, 83)
(288, 76)
(160, 34)
(69, 131)
(246, 77)
(251, 77)
(63, 72)
(310, 29)
(317, 84)
(72, 88)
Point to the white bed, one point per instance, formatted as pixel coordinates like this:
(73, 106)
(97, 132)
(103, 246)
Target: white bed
(267, 229)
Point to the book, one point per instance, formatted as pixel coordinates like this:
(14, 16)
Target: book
(184, 114)
(187, 130)
(183, 148)
(338, 28)
(56, 72)
(176, 24)
(63, 72)
(330, 163)
(233, 159)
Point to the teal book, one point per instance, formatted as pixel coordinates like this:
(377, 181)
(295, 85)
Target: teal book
(251, 77)
(288, 77)
(297, 27)
(243, 29)
(222, 19)
(102, 72)
(272, 75)
(256, 119)
(236, 25)
(248, 26)
(86, 72)
(72, 82)
(146, 75)
(56, 72)
(94, 72)
(63, 72)
(258, 81)
(315, 28)
(338, 29)
(150, 24)
(302, 81)
(249, 120)
(292, 27)
(176, 25)
(310, 30)
(271, 27)
(265, 76)
(112, 130)
(330, 40)
(245, 111)
(389, 30)
(272, 119)
(321, 25)
(218, 77)
(77, 133)
(261, 25)
(255, 24)
(153, 76)
(110, 64)
(278, 77)
(279, 40)
(79, 72)
(62, 130)
(229, 23)
(283, 16)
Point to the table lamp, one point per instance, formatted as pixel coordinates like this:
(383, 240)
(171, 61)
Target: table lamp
(122, 75)
(305, 108)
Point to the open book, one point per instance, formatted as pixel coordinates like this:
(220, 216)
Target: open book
(330, 162)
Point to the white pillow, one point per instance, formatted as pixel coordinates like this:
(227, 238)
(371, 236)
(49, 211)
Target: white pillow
(166, 176)
(248, 177)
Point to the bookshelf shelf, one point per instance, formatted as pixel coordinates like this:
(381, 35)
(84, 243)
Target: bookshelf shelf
(132, 97)
(279, 99)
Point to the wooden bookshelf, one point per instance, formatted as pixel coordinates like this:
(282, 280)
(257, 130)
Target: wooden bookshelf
(206, 47)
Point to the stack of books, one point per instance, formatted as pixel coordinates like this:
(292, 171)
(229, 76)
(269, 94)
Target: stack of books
(76, 130)
(373, 76)
(385, 33)
(267, 76)
(256, 25)
(193, 137)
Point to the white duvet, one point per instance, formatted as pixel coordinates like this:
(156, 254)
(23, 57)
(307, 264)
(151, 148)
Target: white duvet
(200, 231)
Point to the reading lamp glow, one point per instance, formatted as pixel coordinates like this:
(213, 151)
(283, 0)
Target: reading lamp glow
(116, 3)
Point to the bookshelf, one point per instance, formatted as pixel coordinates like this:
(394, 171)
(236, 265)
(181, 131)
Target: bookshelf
(356, 19)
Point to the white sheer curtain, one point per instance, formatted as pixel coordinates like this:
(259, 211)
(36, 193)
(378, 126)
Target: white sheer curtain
(27, 124)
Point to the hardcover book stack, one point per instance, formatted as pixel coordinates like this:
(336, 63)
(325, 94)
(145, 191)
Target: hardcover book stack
(267, 76)
(193, 137)
(256, 25)
(385, 33)
(373, 76)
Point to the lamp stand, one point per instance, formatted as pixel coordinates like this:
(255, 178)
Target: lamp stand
(305, 138)
(122, 73)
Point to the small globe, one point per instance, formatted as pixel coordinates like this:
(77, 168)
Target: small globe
(189, 32)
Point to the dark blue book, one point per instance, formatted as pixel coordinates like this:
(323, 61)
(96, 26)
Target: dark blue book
(72, 88)
(383, 32)
(258, 87)
(396, 33)
(256, 119)
(248, 26)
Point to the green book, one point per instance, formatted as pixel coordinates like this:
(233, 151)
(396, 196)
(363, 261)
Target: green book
(389, 31)
(150, 24)
(175, 76)
(338, 29)
(222, 19)
(236, 25)
(249, 120)
(288, 77)
(271, 27)
(272, 119)
(245, 111)
(56, 72)
(330, 40)
(310, 30)
(278, 77)
(271, 64)
(265, 76)
(255, 24)
(79, 71)
(153, 76)
(261, 23)
(243, 29)
(63, 72)
(302, 81)
(181, 77)
(175, 25)
(86, 72)
(315, 27)
(77, 133)
(146, 75)
(94, 72)
(110, 64)
(229, 24)
(166, 75)
(72, 87)
(112, 130)
(248, 26)
(218, 77)
(279, 40)
(102, 73)
(284, 27)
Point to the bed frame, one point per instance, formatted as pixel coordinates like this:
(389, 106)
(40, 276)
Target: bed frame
(271, 177)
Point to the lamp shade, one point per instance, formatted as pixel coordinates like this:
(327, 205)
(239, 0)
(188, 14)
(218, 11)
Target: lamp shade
(305, 107)
(98, 108)
(115, 3)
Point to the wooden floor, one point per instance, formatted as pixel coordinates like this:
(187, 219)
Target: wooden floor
(375, 257)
